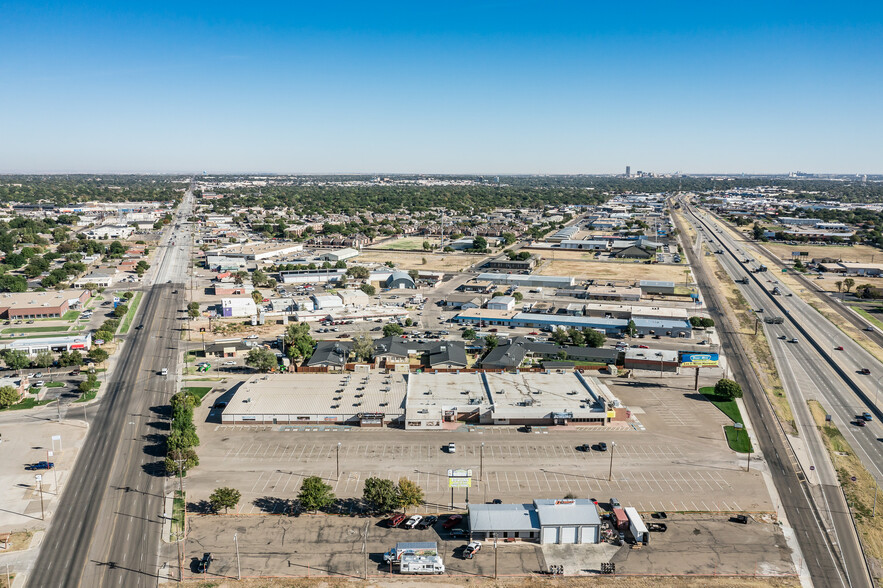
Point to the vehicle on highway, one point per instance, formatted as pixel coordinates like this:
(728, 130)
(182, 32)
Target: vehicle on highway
(838, 348)
(204, 563)
(866, 416)
(869, 328)
(859, 422)
(413, 521)
(40, 465)
(793, 340)
(139, 327)
(865, 372)
(252, 337)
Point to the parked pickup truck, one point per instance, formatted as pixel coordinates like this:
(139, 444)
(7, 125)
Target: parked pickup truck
(395, 554)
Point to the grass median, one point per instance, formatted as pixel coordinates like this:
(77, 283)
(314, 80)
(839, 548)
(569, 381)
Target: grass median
(130, 316)
(177, 527)
(867, 316)
(858, 484)
(736, 439)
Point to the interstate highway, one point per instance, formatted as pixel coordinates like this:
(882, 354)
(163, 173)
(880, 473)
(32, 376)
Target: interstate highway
(801, 370)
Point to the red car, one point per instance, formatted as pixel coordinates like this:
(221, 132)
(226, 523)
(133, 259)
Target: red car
(533, 333)
(643, 347)
(839, 348)
(395, 521)
(452, 521)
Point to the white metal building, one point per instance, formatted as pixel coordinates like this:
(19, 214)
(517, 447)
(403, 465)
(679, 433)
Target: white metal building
(548, 521)
(238, 307)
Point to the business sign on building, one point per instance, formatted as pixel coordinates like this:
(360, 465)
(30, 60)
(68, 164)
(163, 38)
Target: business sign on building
(698, 360)
(459, 478)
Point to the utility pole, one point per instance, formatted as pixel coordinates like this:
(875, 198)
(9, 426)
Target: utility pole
(238, 566)
(365, 549)
(481, 465)
(610, 473)
(182, 534)
(338, 460)
(39, 480)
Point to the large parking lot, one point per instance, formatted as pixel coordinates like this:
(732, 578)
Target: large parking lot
(673, 457)
(317, 546)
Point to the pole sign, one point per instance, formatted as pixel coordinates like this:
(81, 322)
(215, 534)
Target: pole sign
(699, 360)
(459, 478)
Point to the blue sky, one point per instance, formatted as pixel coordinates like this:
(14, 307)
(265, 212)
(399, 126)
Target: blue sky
(453, 87)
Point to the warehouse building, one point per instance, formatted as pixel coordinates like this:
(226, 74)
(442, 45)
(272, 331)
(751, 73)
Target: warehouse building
(308, 276)
(501, 303)
(339, 255)
(548, 521)
(53, 344)
(359, 399)
(504, 263)
(238, 307)
(258, 251)
(37, 305)
(400, 279)
(656, 287)
(527, 280)
(492, 398)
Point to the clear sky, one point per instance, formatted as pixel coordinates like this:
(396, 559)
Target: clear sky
(441, 87)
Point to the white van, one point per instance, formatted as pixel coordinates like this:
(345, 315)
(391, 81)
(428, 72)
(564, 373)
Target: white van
(165, 372)
(452, 448)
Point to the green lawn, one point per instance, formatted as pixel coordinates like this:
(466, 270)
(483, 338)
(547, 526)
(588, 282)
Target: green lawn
(130, 316)
(91, 394)
(27, 403)
(868, 316)
(71, 315)
(739, 443)
(198, 391)
(55, 384)
(178, 505)
(34, 330)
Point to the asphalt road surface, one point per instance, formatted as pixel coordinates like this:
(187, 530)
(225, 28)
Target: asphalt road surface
(106, 530)
(818, 547)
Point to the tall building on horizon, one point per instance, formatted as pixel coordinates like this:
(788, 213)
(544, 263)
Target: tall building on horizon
(628, 171)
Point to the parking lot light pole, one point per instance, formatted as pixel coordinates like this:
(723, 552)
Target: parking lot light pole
(238, 566)
(481, 465)
(338, 461)
(39, 480)
(610, 473)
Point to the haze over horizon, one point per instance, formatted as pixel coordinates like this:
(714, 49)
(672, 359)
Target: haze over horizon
(454, 88)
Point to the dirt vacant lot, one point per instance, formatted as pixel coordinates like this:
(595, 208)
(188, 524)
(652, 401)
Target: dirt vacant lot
(854, 253)
(585, 270)
(447, 262)
(408, 243)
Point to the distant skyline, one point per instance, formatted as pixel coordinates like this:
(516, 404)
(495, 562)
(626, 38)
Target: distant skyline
(495, 87)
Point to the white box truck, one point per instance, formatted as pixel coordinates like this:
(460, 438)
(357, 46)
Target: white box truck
(637, 526)
(421, 564)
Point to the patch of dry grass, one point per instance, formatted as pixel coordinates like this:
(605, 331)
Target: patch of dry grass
(586, 269)
(446, 262)
(859, 494)
(15, 541)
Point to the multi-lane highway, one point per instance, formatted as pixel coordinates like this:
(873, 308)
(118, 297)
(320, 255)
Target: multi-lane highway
(829, 534)
(106, 529)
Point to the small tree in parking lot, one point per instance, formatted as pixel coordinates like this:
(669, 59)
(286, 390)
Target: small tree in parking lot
(315, 494)
(392, 329)
(8, 396)
(380, 495)
(409, 493)
(225, 498)
(261, 359)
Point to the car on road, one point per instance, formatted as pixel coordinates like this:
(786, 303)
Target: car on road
(139, 327)
(413, 521)
(427, 522)
(252, 337)
(229, 363)
(859, 422)
(838, 348)
(865, 372)
(866, 416)
(643, 347)
(869, 329)
(471, 549)
(204, 563)
(793, 340)
(452, 521)
(40, 465)
(783, 337)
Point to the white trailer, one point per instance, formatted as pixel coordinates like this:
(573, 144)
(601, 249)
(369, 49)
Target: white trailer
(421, 564)
(637, 526)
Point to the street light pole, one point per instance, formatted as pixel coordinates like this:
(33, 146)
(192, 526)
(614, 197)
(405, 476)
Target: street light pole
(610, 473)
(481, 465)
(238, 566)
(338, 461)
(39, 480)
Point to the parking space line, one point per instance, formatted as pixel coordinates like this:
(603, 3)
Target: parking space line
(300, 457)
(261, 475)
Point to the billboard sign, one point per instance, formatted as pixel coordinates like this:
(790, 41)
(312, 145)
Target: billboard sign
(459, 478)
(699, 360)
